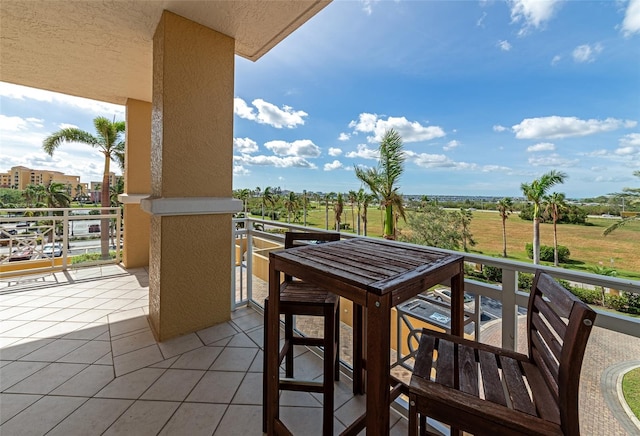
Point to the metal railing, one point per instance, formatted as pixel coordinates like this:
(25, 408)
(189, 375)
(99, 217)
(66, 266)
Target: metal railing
(48, 239)
(512, 299)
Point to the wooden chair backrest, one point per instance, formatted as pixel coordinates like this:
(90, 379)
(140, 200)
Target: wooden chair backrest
(559, 325)
(298, 239)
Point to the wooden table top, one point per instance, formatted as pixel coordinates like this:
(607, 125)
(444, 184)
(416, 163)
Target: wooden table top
(371, 265)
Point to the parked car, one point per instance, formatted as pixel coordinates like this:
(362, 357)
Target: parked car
(443, 294)
(94, 228)
(53, 249)
(20, 254)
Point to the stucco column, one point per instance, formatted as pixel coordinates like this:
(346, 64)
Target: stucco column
(191, 178)
(137, 184)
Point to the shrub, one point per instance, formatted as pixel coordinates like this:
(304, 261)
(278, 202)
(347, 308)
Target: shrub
(633, 302)
(616, 302)
(589, 296)
(546, 253)
(525, 281)
(492, 273)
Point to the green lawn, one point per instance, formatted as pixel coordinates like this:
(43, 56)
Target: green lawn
(587, 244)
(631, 390)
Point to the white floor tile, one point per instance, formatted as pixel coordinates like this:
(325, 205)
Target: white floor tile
(87, 382)
(41, 416)
(12, 404)
(92, 418)
(132, 385)
(173, 385)
(143, 418)
(194, 419)
(46, 379)
(216, 387)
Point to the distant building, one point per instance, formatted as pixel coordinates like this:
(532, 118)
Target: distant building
(95, 191)
(20, 177)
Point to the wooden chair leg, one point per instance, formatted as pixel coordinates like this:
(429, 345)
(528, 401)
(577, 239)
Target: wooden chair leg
(288, 338)
(413, 417)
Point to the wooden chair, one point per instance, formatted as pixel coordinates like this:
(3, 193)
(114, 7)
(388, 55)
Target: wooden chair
(299, 298)
(486, 390)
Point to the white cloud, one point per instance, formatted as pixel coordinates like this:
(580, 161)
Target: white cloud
(411, 131)
(344, 136)
(494, 169)
(586, 53)
(504, 45)
(241, 109)
(13, 124)
(364, 152)
(553, 160)
(274, 161)
(239, 170)
(17, 92)
(556, 59)
(367, 6)
(555, 127)
(480, 22)
(631, 22)
(629, 145)
(334, 151)
(451, 145)
(300, 147)
(542, 146)
(268, 113)
(245, 145)
(532, 13)
(427, 160)
(336, 164)
(67, 126)
(499, 128)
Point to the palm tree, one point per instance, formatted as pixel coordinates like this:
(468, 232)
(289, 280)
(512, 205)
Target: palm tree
(633, 196)
(359, 200)
(366, 199)
(602, 270)
(291, 204)
(267, 198)
(534, 192)
(353, 196)
(338, 207)
(244, 195)
(464, 218)
(555, 204)
(108, 140)
(79, 191)
(383, 179)
(327, 197)
(505, 207)
(56, 195)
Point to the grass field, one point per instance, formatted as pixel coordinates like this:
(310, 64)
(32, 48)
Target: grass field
(631, 390)
(588, 246)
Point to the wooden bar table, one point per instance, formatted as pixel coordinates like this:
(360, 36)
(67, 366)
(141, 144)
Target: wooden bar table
(376, 274)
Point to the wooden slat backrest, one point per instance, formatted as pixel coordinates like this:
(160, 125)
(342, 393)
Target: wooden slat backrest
(559, 325)
(298, 239)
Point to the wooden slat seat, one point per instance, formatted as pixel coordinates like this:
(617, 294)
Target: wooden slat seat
(486, 390)
(300, 298)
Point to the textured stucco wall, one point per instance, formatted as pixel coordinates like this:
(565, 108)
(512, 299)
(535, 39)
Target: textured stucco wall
(191, 156)
(137, 179)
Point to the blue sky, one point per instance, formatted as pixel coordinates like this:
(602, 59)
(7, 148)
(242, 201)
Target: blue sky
(486, 94)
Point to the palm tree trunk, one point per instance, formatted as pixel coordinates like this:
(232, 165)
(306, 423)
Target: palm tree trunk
(106, 203)
(536, 241)
(388, 223)
(555, 244)
(504, 237)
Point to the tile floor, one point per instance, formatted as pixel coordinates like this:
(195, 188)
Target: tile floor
(77, 357)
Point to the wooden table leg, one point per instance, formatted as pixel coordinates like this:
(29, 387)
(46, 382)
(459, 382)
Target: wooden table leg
(378, 362)
(358, 349)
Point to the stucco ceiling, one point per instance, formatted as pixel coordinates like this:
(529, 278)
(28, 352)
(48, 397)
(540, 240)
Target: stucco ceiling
(103, 49)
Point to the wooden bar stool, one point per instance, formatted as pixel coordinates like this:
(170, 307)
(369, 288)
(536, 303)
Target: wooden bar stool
(300, 298)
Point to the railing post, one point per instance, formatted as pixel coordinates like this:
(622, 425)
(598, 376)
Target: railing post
(509, 312)
(248, 225)
(65, 237)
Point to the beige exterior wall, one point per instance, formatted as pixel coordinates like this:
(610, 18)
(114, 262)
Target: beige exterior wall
(137, 176)
(191, 156)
